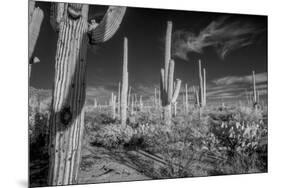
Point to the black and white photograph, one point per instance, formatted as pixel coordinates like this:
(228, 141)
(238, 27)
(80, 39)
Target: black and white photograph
(119, 93)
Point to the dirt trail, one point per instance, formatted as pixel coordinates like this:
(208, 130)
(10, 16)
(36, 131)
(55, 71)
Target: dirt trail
(104, 165)
(101, 165)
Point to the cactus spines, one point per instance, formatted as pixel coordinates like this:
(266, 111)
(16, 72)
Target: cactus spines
(67, 114)
(169, 94)
(124, 91)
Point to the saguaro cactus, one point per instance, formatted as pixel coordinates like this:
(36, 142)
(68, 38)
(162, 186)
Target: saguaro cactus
(35, 19)
(254, 88)
(132, 105)
(168, 93)
(113, 105)
(67, 120)
(175, 109)
(124, 92)
(196, 97)
(141, 104)
(119, 99)
(202, 85)
(95, 103)
(129, 98)
(155, 98)
(186, 99)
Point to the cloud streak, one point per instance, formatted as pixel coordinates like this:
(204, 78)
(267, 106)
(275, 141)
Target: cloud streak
(222, 34)
(260, 78)
(236, 87)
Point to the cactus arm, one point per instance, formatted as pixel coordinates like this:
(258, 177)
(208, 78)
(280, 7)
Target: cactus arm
(34, 29)
(176, 91)
(108, 26)
(57, 13)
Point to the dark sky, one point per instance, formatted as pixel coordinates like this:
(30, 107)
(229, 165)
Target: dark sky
(145, 30)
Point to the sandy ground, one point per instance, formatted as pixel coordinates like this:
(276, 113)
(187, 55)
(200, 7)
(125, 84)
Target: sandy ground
(102, 165)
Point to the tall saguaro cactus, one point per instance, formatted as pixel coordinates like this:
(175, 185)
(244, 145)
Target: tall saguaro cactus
(119, 99)
(141, 104)
(169, 94)
(254, 88)
(124, 92)
(202, 85)
(186, 99)
(67, 120)
(35, 19)
(196, 97)
(113, 105)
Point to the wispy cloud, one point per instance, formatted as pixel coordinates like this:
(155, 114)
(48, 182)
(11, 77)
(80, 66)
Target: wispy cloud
(222, 34)
(260, 78)
(229, 89)
(223, 96)
(234, 87)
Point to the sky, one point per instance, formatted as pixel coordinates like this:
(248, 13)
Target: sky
(230, 47)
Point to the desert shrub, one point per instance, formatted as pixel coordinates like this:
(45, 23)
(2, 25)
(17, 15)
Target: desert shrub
(38, 130)
(238, 134)
(95, 120)
(111, 136)
(238, 131)
(213, 142)
(207, 141)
